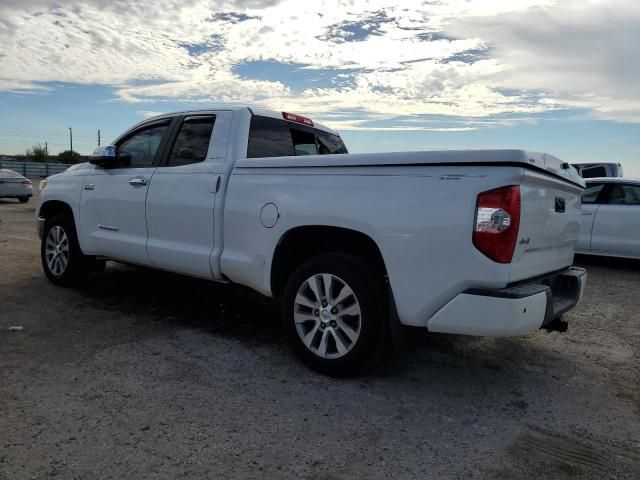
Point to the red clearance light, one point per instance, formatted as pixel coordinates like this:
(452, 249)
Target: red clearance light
(497, 223)
(292, 117)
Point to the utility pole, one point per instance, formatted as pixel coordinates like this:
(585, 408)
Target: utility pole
(71, 138)
(46, 148)
(98, 137)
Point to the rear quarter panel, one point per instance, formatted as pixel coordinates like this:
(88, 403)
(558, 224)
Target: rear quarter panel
(420, 217)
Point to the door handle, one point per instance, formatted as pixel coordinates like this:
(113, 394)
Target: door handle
(586, 213)
(138, 181)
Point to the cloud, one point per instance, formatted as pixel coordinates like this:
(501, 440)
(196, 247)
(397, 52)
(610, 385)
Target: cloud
(582, 54)
(149, 113)
(461, 58)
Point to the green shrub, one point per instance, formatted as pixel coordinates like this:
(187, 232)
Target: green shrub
(69, 156)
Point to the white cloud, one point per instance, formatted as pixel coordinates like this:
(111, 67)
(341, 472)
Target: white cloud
(582, 54)
(463, 58)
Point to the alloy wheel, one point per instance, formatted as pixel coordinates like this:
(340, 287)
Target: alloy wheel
(57, 250)
(327, 315)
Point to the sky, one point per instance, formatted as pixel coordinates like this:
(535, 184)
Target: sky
(558, 76)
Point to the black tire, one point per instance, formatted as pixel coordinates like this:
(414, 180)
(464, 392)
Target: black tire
(368, 289)
(78, 265)
(23, 199)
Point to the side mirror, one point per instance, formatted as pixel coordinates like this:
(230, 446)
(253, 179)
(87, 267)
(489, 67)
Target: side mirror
(108, 157)
(103, 156)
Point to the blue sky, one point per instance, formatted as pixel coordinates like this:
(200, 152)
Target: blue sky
(543, 75)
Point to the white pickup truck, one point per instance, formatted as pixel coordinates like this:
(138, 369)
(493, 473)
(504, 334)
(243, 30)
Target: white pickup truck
(466, 242)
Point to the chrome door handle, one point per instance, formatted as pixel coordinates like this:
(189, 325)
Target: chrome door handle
(138, 181)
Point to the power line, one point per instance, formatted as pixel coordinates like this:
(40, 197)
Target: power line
(28, 131)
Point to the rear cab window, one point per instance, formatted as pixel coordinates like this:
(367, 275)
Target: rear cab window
(593, 172)
(272, 137)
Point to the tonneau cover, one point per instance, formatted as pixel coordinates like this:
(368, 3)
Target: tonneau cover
(532, 160)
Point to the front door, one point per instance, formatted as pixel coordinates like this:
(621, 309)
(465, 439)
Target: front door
(112, 210)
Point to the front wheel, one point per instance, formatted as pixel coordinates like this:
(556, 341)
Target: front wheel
(62, 259)
(333, 313)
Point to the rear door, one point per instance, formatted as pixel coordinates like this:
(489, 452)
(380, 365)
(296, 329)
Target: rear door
(591, 199)
(616, 226)
(112, 209)
(182, 195)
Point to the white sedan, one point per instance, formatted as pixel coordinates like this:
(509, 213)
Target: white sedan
(610, 218)
(14, 185)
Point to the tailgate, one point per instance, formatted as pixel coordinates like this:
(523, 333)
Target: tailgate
(549, 225)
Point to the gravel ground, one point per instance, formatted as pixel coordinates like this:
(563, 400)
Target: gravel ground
(143, 374)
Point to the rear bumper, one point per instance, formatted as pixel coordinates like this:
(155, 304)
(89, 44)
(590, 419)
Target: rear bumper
(517, 309)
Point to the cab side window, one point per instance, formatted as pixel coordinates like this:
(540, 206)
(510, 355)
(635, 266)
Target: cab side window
(139, 149)
(192, 142)
(592, 193)
(622, 194)
(269, 137)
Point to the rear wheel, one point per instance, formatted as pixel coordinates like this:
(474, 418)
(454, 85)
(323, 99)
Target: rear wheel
(23, 199)
(62, 260)
(333, 313)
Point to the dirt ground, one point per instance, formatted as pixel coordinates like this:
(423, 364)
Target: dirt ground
(142, 374)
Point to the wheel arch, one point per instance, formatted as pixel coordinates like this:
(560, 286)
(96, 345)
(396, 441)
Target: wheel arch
(298, 244)
(55, 207)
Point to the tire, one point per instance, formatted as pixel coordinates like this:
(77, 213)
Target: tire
(23, 199)
(62, 260)
(308, 325)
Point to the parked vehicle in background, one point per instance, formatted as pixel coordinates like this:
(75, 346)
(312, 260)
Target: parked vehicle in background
(468, 242)
(597, 170)
(611, 218)
(14, 185)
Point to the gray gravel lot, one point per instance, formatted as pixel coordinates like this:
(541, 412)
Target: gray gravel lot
(143, 374)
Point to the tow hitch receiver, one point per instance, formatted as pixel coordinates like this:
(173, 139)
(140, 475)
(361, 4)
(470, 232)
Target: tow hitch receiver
(558, 324)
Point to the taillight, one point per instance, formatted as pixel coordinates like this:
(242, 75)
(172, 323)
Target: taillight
(26, 181)
(497, 223)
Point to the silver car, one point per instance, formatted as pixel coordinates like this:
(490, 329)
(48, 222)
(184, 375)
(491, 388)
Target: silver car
(14, 185)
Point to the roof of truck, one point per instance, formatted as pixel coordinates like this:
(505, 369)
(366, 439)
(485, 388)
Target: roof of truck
(238, 107)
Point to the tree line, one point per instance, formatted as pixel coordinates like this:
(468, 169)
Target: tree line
(38, 153)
